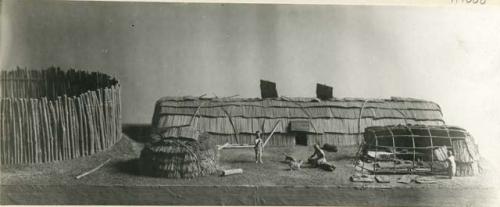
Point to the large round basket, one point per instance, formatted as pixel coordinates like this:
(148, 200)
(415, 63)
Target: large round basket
(52, 115)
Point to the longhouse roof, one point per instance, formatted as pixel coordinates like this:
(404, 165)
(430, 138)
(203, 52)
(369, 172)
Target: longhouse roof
(326, 116)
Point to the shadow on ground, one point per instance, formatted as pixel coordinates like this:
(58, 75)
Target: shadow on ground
(142, 133)
(137, 132)
(239, 161)
(130, 167)
(338, 156)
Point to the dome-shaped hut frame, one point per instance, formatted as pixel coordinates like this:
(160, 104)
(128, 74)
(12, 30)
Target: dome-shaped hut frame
(419, 144)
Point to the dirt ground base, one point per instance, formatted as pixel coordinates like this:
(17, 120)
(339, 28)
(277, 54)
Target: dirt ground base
(241, 195)
(272, 183)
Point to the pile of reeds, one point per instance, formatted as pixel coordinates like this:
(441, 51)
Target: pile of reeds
(466, 157)
(178, 158)
(440, 153)
(52, 115)
(467, 169)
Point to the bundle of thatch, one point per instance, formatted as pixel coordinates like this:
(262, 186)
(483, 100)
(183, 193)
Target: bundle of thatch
(178, 158)
(440, 153)
(466, 157)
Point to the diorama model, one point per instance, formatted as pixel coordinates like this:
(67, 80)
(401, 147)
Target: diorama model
(397, 135)
(53, 117)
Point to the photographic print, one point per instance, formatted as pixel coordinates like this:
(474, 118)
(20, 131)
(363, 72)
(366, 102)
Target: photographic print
(250, 103)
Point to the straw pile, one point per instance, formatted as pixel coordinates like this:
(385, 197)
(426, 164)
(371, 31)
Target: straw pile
(178, 158)
(440, 153)
(466, 157)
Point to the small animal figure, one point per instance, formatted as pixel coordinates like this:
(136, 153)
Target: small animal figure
(420, 162)
(289, 158)
(295, 165)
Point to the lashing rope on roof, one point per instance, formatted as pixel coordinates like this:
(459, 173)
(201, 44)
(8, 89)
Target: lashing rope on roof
(236, 133)
(303, 109)
(359, 120)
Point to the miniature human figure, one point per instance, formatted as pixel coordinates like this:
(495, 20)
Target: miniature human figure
(320, 156)
(258, 147)
(452, 167)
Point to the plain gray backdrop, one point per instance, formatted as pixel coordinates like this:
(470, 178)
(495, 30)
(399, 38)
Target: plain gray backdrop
(444, 54)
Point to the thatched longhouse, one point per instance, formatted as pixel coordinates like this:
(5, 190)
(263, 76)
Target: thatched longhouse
(298, 120)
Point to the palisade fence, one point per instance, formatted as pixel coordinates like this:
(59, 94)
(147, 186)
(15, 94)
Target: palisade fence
(52, 115)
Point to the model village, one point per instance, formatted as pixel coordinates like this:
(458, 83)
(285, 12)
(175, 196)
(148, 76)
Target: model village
(73, 119)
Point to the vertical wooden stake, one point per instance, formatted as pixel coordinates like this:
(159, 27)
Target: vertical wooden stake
(73, 127)
(62, 131)
(19, 129)
(96, 117)
(91, 123)
(2, 123)
(83, 128)
(35, 130)
(47, 127)
(64, 119)
(101, 118)
(26, 124)
(55, 117)
(10, 134)
(42, 131)
(77, 122)
(53, 128)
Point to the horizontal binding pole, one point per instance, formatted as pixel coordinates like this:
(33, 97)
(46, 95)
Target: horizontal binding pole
(420, 136)
(249, 103)
(234, 146)
(392, 147)
(431, 128)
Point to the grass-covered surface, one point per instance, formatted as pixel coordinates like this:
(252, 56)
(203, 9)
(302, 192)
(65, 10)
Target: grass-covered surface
(123, 170)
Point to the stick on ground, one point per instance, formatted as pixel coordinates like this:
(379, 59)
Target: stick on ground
(93, 170)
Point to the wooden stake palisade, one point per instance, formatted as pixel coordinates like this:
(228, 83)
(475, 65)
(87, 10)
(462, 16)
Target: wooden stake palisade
(53, 115)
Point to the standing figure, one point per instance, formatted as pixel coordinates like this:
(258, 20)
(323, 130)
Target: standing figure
(258, 147)
(452, 167)
(318, 157)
